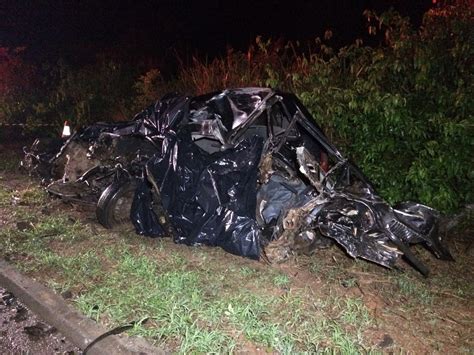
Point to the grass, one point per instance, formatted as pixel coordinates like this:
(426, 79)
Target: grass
(28, 196)
(281, 280)
(414, 289)
(9, 162)
(196, 303)
(354, 312)
(201, 300)
(190, 305)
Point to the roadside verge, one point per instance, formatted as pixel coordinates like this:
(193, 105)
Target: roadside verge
(80, 330)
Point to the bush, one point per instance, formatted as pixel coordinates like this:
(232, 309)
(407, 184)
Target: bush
(404, 111)
(18, 83)
(99, 92)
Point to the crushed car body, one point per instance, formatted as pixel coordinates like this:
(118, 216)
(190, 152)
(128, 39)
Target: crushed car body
(245, 169)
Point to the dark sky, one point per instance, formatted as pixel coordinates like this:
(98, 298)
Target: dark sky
(79, 29)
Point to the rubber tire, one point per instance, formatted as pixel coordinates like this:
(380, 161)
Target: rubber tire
(115, 195)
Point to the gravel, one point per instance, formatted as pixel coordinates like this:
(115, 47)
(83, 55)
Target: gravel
(23, 332)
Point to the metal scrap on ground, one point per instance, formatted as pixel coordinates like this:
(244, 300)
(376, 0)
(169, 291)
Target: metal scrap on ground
(245, 169)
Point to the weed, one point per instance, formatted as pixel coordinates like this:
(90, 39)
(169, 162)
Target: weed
(195, 301)
(314, 268)
(9, 162)
(211, 341)
(414, 290)
(247, 271)
(59, 287)
(29, 196)
(344, 343)
(281, 280)
(354, 312)
(349, 282)
(5, 196)
(32, 195)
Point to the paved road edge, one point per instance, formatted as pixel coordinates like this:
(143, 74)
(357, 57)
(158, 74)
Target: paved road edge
(79, 329)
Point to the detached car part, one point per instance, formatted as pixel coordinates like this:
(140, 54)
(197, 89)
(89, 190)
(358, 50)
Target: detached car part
(244, 169)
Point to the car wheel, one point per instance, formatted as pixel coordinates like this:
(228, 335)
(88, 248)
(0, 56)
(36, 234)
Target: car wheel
(115, 202)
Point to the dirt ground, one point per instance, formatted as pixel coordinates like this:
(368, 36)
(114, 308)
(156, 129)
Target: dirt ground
(23, 332)
(411, 313)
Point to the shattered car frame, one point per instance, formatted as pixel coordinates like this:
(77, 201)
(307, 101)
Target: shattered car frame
(245, 169)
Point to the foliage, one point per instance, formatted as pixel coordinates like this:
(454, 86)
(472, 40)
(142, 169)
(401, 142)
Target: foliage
(50, 94)
(262, 65)
(402, 110)
(98, 92)
(191, 303)
(149, 87)
(18, 86)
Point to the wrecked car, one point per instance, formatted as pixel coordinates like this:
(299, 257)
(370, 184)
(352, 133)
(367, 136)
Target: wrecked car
(245, 169)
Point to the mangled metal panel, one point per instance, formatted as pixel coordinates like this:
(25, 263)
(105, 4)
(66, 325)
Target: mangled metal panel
(210, 198)
(250, 171)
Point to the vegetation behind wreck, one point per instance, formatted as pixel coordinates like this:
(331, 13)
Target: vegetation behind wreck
(402, 110)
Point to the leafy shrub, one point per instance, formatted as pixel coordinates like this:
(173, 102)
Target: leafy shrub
(99, 92)
(404, 110)
(51, 94)
(18, 82)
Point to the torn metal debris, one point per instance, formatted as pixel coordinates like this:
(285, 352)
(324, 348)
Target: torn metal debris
(244, 169)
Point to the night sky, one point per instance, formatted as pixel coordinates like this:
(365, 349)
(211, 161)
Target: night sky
(77, 30)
